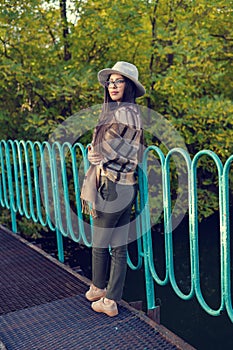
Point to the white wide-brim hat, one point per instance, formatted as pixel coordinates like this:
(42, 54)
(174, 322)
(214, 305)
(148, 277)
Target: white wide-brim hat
(126, 69)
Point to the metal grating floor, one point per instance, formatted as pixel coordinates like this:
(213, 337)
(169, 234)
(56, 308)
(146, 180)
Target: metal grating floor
(42, 307)
(71, 324)
(28, 278)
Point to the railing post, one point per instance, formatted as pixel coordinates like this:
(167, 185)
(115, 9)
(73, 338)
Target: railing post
(60, 249)
(145, 229)
(153, 311)
(56, 201)
(13, 221)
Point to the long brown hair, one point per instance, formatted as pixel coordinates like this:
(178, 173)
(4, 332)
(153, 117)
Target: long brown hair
(108, 109)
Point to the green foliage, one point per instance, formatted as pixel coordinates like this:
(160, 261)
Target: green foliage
(30, 229)
(183, 49)
(26, 227)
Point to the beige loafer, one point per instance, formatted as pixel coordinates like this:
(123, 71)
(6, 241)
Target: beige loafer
(95, 293)
(109, 309)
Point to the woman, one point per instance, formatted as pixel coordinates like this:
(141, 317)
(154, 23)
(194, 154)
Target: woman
(113, 156)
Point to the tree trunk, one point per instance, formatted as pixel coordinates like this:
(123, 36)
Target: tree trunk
(65, 28)
(153, 21)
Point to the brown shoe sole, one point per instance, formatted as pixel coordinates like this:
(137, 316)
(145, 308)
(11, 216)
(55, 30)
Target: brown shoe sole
(95, 298)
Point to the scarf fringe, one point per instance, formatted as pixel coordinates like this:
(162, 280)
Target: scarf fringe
(87, 210)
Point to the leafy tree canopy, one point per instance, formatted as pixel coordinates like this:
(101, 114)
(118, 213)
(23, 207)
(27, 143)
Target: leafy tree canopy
(50, 52)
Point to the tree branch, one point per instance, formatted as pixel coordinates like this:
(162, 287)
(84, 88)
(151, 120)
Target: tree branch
(5, 44)
(222, 37)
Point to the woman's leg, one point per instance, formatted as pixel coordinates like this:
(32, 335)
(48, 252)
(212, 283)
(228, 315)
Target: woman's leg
(118, 266)
(117, 273)
(100, 250)
(100, 260)
(116, 238)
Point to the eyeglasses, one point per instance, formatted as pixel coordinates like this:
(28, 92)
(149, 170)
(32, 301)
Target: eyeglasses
(116, 83)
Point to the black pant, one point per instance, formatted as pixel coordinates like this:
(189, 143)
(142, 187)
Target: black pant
(110, 237)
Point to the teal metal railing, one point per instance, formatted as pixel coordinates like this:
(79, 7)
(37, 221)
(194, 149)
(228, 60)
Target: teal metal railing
(224, 218)
(41, 181)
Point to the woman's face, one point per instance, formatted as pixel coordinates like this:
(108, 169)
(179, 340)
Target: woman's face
(116, 90)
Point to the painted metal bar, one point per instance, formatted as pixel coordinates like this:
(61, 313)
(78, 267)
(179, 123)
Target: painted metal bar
(10, 189)
(146, 220)
(140, 254)
(4, 195)
(194, 232)
(168, 223)
(227, 263)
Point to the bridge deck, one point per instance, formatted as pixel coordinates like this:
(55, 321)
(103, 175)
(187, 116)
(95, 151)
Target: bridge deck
(42, 307)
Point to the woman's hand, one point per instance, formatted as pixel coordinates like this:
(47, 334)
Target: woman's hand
(94, 157)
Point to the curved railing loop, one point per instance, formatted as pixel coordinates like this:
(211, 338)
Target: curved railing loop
(146, 223)
(194, 231)
(227, 281)
(168, 221)
(5, 175)
(77, 190)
